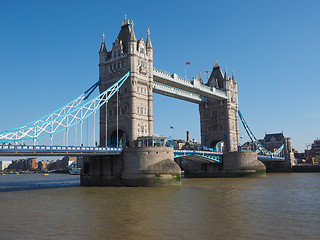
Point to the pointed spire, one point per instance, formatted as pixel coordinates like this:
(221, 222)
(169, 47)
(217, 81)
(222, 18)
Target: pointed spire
(132, 35)
(226, 74)
(216, 65)
(103, 45)
(234, 78)
(126, 21)
(149, 44)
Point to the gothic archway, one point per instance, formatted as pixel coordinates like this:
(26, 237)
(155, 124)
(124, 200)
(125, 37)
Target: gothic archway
(122, 139)
(217, 145)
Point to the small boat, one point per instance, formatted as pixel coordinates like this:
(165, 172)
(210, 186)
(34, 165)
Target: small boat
(75, 171)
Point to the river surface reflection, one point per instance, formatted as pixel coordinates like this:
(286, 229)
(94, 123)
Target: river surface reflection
(279, 206)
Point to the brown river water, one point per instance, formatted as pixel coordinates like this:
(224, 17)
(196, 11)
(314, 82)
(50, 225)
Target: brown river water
(279, 206)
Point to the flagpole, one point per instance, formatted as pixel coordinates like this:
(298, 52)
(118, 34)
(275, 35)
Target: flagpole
(185, 70)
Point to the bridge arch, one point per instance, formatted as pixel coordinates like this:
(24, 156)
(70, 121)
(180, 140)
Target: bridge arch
(217, 145)
(123, 140)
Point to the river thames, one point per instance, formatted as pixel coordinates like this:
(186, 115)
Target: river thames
(279, 206)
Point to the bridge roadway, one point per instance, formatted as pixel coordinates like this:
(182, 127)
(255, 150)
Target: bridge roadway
(38, 150)
(193, 155)
(172, 85)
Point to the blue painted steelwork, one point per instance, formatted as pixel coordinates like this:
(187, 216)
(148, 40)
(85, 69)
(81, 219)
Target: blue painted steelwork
(260, 147)
(67, 108)
(23, 150)
(62, 120)
(208, 155)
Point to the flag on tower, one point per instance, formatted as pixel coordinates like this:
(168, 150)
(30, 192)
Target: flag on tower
(187, 63)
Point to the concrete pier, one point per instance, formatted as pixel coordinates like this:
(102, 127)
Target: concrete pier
(235, 164)
(242, 164)
(143, 166)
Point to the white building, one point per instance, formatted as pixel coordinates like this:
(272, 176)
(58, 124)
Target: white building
(4, 164)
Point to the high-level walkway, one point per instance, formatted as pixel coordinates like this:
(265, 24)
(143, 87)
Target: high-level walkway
(172, 85)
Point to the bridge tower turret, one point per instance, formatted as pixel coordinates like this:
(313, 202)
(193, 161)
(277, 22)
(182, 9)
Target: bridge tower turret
(134, 115)
(219, 118)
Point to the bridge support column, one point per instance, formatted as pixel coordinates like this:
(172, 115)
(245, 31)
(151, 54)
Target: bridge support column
(101, 171)
(242, 164)
(137, 166)
(235, 164)
(150, 166)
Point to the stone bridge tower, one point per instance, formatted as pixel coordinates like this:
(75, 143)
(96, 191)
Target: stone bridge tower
(219, 118)
(135, 100)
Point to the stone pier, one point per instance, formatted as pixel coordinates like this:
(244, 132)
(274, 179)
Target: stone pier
(235, 164)
(137, 166)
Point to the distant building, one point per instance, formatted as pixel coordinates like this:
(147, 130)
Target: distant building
(310, 156)
(43, 165)
(176, 143)
(316, 147)
(248, 147)
(24, 164)
(273, 141)
(300, 157)
(4, 165)
(52, 165)
(31, 163)
(72, 162)
(62, 164)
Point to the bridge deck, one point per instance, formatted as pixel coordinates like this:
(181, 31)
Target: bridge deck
(194, 155)
(22, 150)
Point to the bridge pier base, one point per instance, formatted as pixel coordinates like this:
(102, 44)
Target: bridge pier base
(242, 164)
(143, 166)
(235, 164)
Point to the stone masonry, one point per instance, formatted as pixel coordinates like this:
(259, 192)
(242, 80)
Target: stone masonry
(135, 98)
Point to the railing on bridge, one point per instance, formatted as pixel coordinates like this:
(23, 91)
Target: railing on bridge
(23, 150)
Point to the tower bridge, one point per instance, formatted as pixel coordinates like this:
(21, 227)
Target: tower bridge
(127, 81)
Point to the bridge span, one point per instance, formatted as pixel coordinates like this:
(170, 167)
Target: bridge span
(127, 81)
(208, 157)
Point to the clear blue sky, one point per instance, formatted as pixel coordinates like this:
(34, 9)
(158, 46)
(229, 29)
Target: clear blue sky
(49, 55)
